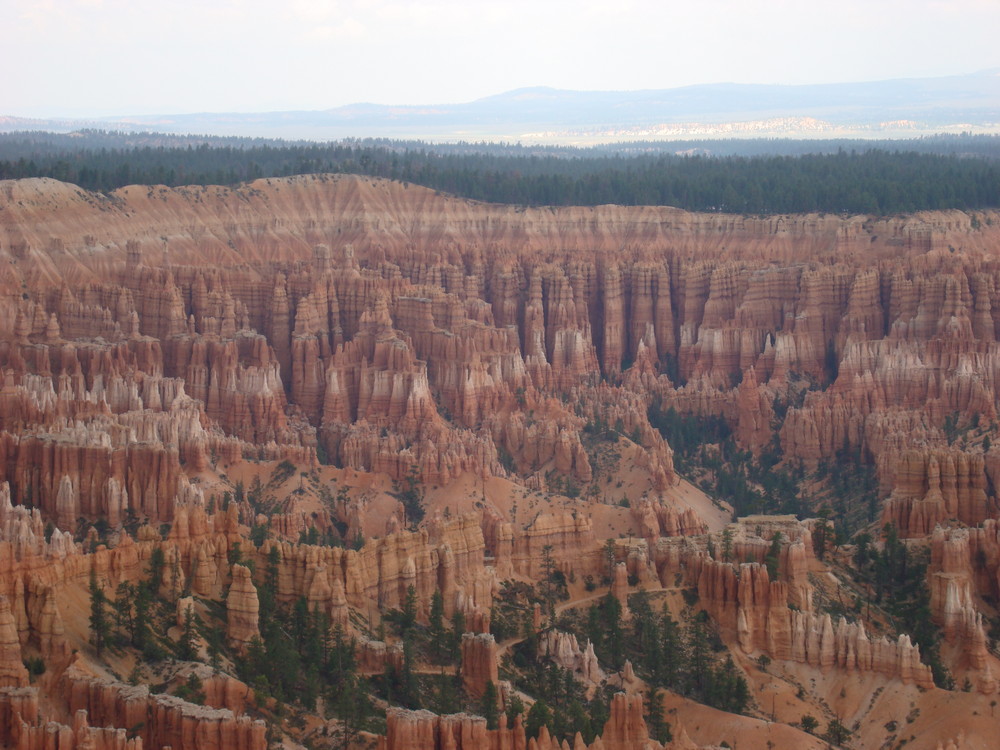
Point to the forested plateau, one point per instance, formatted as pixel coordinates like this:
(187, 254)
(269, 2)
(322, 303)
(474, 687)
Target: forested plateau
(722, 176)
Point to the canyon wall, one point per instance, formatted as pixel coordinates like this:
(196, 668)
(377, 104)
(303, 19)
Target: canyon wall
(155, 331)
(156, 344)
(777, 617)
(625, 729)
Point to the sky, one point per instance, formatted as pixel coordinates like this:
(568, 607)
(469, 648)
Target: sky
(89, 58)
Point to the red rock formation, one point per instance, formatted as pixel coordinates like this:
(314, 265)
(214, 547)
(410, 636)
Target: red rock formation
(625, 729)
(242, 609)
(163, 720)
(564, 650)
(733, 315)
(970, 557)
(933, 486)
(571, 537)
(422, 730)
(754, 611)
(12, 671)
(223, 691)
(447, 556)
(370, 341)
(373, 657)
(396, 332)
(480, 662)
(754, 414)
(764, 623)
(619, 587)
(25, 736)
(17, 706)
(656, 518)
(752, 538)
(963, 568)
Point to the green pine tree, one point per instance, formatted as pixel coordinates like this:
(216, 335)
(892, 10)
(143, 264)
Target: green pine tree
(436, 635)
(488, 705)
(100, 625)
(187, 647)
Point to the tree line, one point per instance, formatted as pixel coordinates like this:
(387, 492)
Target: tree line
(856, 179)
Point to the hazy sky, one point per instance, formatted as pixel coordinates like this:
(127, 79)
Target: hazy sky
(104, 57)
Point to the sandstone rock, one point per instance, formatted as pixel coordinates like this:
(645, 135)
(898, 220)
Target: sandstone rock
(17, 705)
(571, 537)
(754, 611)
(375, 656)
(625, 727)
(480, 662)
(362, 342)
(961, 562)
(405, 730)
(12, 671)
(394, 331)
(164, 720)
(242, 608)
(566, 652)
(934, 486)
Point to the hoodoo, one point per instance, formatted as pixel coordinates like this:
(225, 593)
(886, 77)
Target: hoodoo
(280, 460)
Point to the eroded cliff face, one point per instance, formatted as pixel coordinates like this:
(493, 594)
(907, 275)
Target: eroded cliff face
(155, 331)
(159, 346)
(625, 729)
(41, 617)
(772, 612)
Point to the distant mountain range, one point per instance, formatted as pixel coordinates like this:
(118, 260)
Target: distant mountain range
(894, 108)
